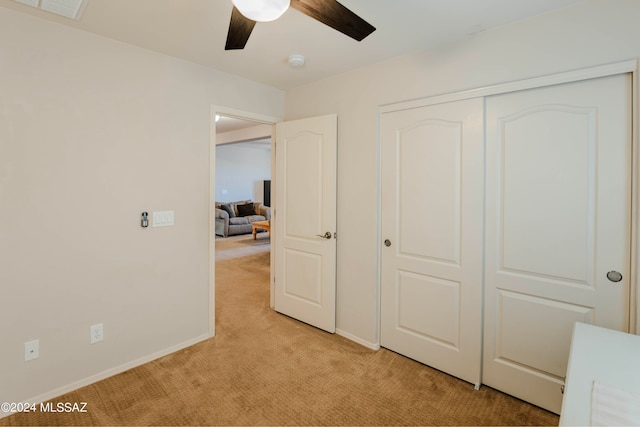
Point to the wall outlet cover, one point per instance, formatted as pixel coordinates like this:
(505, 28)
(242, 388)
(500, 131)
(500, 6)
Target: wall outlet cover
(97, 333)
(31, 350)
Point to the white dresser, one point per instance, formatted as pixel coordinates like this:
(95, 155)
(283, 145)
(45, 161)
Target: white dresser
(603, 378)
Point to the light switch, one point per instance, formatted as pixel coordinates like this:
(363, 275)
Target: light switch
(163, 219)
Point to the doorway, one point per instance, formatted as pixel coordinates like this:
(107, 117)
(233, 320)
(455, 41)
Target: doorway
(295, 138)
(253, 132)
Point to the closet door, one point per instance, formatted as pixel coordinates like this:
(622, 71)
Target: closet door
(432, 196)
(557, 222)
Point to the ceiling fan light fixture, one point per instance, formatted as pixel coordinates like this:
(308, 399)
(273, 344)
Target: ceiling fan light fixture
(262, 10)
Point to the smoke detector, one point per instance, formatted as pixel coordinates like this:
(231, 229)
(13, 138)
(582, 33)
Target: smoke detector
(296, 61)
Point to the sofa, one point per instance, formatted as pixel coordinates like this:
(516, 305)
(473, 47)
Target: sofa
(234, 218)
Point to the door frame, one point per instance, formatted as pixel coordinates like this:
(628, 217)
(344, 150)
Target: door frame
(244, 115)
(623, 67)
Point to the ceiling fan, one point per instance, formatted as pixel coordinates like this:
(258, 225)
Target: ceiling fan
(246, 13)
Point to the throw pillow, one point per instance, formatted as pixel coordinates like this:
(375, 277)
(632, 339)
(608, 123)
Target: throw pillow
(246, 210)
(229, 209)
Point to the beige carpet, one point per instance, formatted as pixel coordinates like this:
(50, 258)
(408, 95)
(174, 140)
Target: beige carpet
(242, 246)
(263, 368)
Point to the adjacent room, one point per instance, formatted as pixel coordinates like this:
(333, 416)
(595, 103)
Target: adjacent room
(243, 177)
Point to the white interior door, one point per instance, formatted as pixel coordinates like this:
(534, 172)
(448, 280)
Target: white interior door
(305, 220)
(557, 221)
(432, 201)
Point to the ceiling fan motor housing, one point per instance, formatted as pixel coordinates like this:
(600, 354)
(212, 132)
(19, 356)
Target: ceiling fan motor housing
(262, 10)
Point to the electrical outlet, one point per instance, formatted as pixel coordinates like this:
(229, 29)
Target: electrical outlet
(31, 350)
(97, 333)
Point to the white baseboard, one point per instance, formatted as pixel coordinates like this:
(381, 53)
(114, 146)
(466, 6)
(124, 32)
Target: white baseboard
(368, 344)
(110, 372)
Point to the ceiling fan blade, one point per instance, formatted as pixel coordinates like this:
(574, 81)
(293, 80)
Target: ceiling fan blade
(240, 29)
(335, 15)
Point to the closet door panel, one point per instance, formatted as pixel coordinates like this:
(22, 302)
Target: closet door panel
(432, 185)
(558, 205)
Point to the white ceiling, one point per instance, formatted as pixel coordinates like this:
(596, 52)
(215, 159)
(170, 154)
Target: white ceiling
(196, 30)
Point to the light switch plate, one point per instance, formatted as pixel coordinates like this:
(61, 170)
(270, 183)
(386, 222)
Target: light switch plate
(163, 219)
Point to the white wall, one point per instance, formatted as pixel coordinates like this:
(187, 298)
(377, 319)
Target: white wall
(596, 32)
(241, 169)
(92, 133)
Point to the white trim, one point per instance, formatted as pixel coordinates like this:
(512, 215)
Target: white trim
(634, 291)
(358, 340)
(212, 222)
(629, 66)
(109, 373)
(274, 195)
(378, 244)
(245, 115)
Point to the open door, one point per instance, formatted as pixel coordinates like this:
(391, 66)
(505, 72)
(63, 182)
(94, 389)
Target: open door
(305, 220)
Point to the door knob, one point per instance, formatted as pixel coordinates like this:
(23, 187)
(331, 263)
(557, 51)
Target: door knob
(387, 243)
(614, 276)
(326, 235)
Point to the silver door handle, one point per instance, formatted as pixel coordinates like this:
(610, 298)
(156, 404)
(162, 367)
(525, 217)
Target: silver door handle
(614, 276)
(326, 235)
